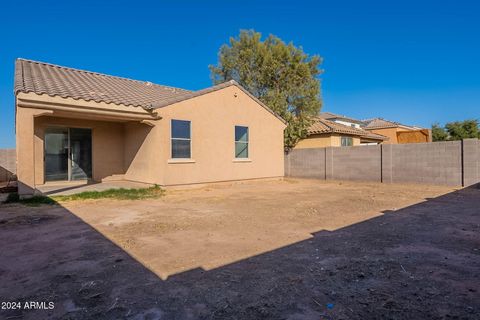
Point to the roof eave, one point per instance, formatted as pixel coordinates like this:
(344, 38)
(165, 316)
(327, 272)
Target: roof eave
(44, 101)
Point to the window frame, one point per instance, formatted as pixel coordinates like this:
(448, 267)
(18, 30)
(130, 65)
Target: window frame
(181, 139)
(349, 139)
(235, 142)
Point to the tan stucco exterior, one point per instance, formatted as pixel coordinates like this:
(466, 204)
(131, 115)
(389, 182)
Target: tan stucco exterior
(134, 144)
(392, 134)
(324, 140)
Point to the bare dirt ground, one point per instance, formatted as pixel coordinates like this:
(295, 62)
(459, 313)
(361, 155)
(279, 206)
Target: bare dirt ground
(294, 249)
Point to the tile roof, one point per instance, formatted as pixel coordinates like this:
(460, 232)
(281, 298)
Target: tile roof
(53, 80)
(330, 116)
(369, 124)
(374, 136)
(379, 123)
(320, 126)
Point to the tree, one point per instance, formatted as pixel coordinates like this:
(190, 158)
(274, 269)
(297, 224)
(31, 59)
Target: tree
(438, 132)
(280, 75)
(457, 130)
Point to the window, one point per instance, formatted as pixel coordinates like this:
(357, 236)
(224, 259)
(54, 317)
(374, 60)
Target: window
(241, 142)
(347, 141)
(181, 142)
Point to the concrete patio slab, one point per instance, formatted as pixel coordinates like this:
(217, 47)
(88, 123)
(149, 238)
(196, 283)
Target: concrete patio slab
(69, 188)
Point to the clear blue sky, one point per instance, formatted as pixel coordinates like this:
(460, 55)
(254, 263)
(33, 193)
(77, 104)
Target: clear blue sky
(415, 61)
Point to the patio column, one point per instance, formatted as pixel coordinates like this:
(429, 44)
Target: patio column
(25, 146)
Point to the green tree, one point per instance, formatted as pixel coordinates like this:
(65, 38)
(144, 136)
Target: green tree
(459, 130)
(280, 75)
(456, 130)
(438, 133)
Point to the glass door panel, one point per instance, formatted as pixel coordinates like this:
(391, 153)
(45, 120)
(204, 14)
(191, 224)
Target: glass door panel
(81, 153)
(56, 154)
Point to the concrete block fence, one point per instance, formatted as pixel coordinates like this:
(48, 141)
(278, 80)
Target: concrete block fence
(7, 164)
(452, 163)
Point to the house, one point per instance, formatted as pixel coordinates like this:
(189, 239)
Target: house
(76, 125)
(328, 133)
(397, 132)
(393, 131)
(333, 130)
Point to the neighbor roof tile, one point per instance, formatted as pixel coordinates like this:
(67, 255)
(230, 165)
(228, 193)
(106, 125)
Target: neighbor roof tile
(379, 123)
(320, 126)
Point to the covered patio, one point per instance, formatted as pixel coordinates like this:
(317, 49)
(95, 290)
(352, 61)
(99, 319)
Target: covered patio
(77, 146)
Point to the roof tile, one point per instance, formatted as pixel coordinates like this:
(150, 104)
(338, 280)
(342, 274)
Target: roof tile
(45, 78)
(320, 126)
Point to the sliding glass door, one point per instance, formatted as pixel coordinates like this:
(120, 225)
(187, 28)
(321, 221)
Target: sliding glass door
(80, 153)
(56, 154)
(68, 154)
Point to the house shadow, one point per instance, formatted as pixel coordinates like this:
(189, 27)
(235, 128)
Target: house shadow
(419, 262)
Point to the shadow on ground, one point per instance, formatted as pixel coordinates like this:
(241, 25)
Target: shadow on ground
(420, 262)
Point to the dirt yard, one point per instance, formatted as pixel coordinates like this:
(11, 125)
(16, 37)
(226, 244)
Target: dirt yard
(293, 249)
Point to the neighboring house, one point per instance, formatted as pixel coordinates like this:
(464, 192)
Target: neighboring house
(79, 125)
(327, 133)
(341, 119)
(397, 132)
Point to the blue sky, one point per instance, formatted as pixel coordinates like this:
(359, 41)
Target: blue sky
(412, 61)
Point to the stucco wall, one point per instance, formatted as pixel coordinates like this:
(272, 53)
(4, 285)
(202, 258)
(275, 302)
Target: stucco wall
(453, 163)
(140, 151)
(337, 140)
(213, 118)
(391, 133)
(410, 136)
(314, 141)
(324, 140)
(107, 145)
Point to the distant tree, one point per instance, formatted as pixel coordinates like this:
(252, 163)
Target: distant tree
(457, 130)
(438, 133)
(280, 75)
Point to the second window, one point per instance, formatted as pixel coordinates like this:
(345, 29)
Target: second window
(241, 142)
(347, 141)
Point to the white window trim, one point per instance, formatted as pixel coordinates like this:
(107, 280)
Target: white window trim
(180, 160)
(346, 137)
(247, 143)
